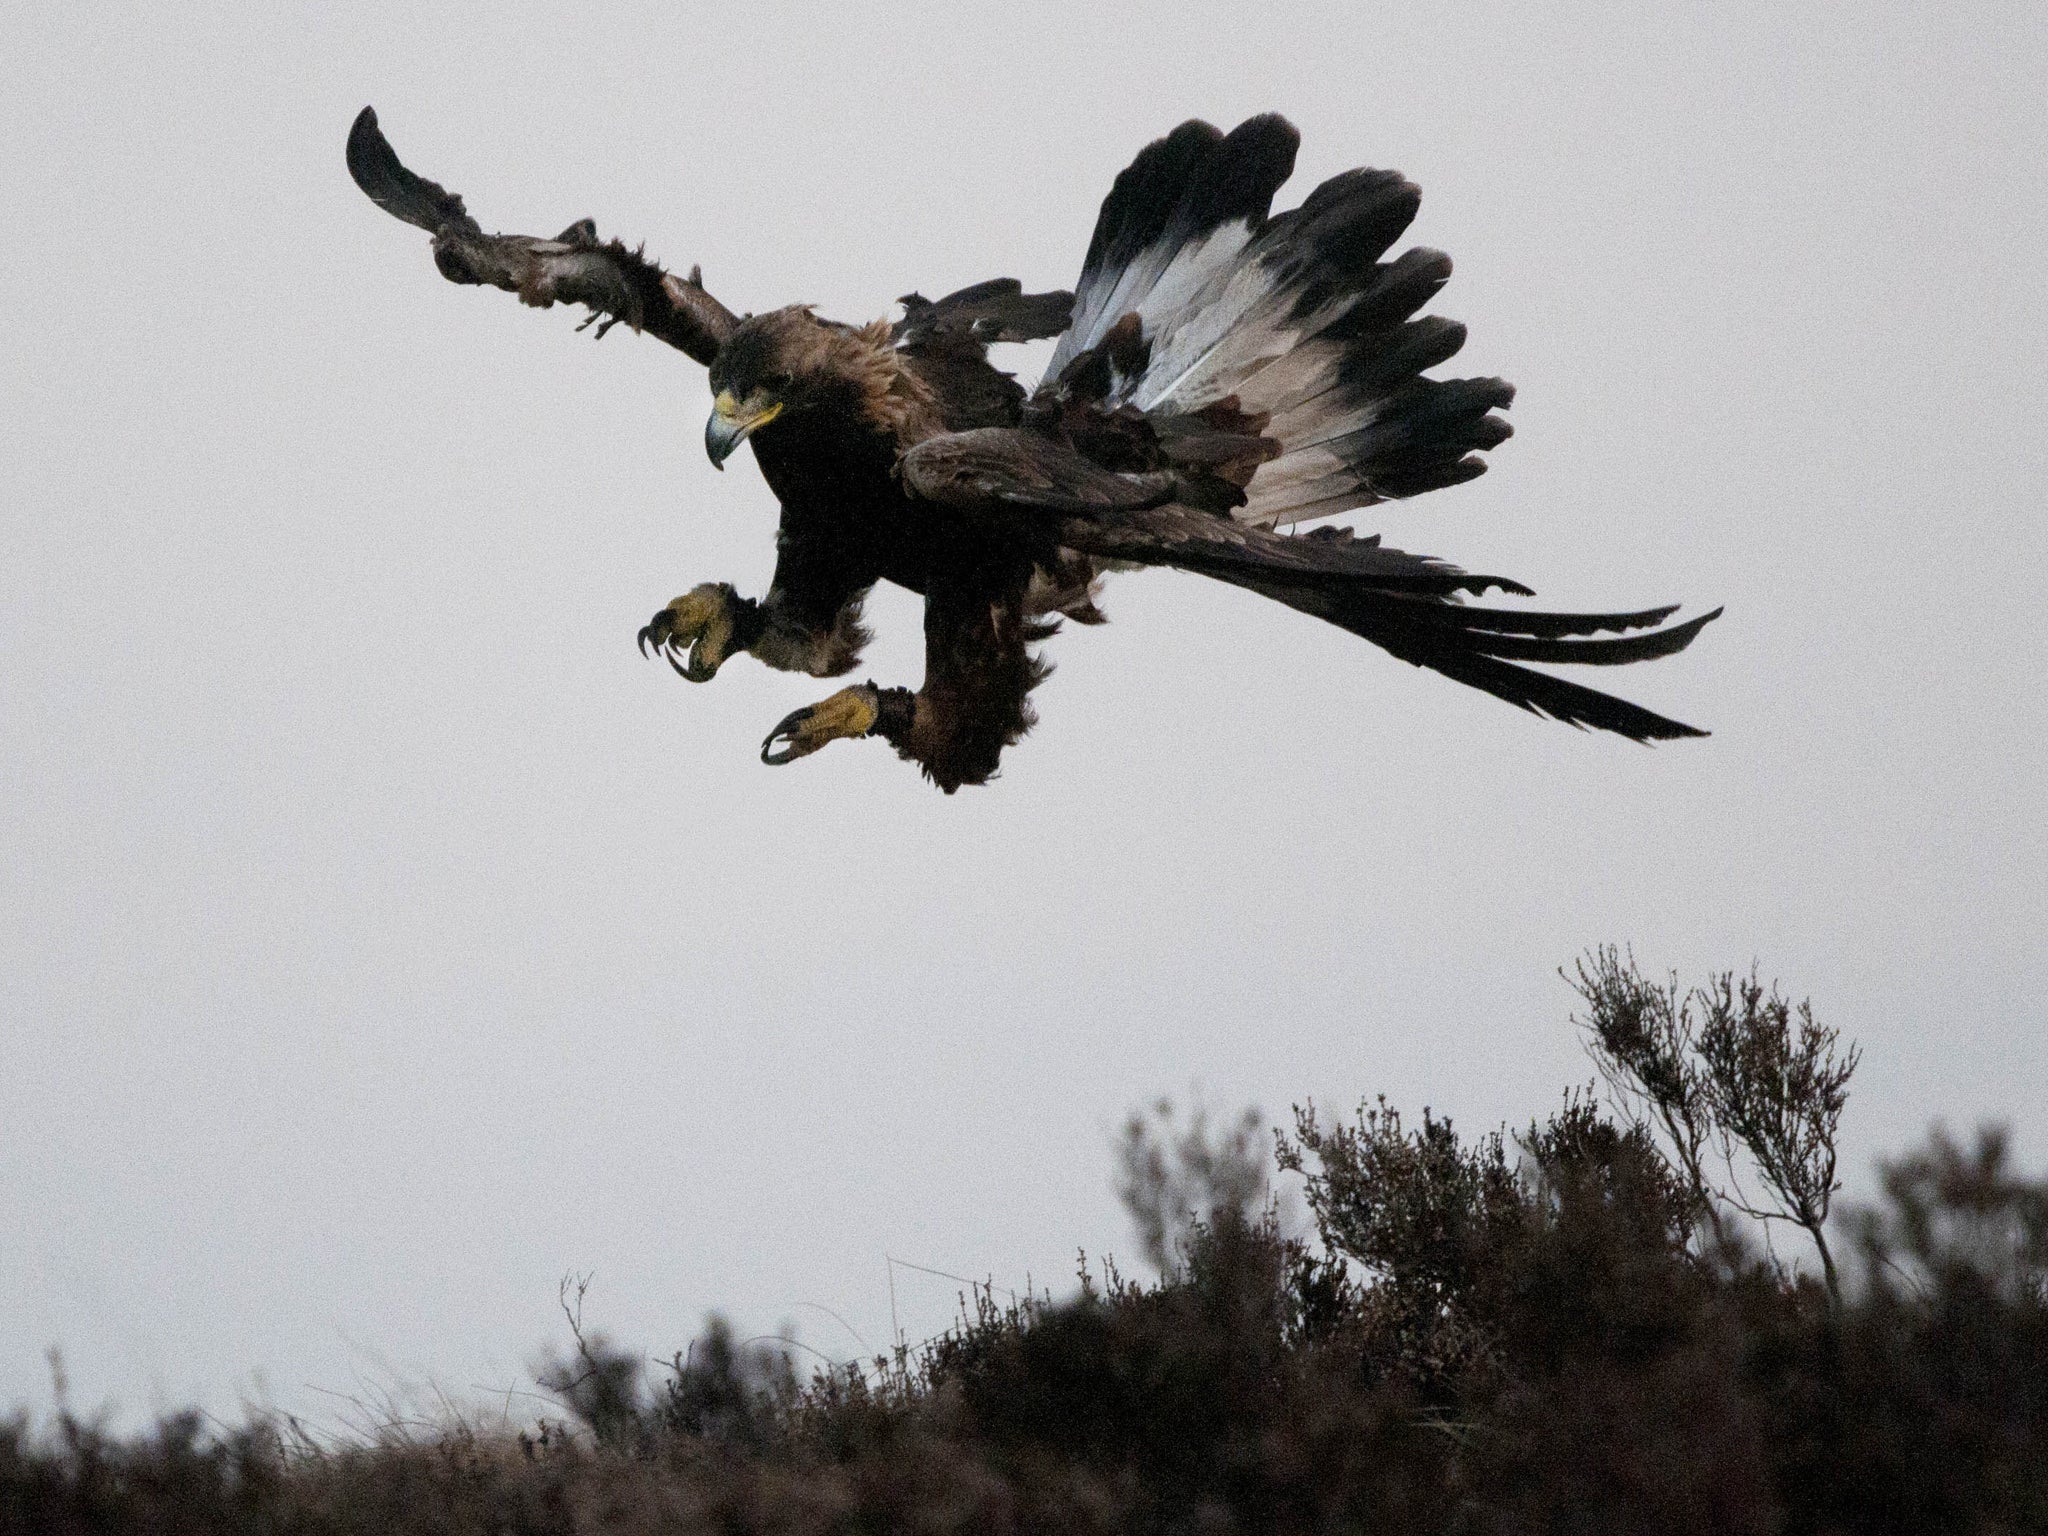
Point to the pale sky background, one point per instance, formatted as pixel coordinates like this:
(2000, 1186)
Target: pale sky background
(381, 937)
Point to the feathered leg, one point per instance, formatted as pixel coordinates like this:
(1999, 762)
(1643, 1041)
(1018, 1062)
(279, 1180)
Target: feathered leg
(979, 672)
(709, 624)
(808, 622)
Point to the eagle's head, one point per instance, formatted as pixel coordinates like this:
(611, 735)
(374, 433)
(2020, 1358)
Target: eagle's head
(790, 366)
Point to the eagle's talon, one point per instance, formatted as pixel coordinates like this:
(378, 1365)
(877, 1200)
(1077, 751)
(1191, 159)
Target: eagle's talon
(849, 712)
(698, 625)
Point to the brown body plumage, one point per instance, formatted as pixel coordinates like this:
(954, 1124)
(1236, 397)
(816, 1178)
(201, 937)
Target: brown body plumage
(1221, 373)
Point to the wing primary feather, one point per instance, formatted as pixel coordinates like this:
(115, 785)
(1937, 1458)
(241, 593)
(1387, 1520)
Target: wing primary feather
(1504, 621)
(1542, 694)
(399, 192)
(1612, 652)
(1175, 218)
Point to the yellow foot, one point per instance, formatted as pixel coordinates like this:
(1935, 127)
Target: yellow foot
(700, 622)
(849, 712)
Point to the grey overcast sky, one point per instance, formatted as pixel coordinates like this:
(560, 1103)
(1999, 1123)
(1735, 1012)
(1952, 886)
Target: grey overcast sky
(381, 937)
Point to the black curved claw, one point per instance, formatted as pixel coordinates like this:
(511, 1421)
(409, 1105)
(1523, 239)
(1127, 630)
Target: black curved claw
(785, 732)
(656, 633)
(684, 650)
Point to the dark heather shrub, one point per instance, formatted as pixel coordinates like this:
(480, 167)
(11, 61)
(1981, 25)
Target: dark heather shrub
(1576, 1329)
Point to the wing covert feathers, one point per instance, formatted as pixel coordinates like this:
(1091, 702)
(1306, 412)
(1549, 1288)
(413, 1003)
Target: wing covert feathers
(607, 278)
(1005, 470)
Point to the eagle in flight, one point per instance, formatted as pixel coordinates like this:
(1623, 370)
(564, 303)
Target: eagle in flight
(1222, 373)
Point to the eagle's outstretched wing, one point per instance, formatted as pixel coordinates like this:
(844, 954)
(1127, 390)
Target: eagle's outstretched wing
(1406, 604)
(1230, 371)
(1199, 308)
(575, 267)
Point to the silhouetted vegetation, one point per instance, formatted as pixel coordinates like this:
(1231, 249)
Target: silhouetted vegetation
(1583, 1327)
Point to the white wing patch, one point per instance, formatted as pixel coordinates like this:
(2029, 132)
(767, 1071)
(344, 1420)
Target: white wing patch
(1226, 315)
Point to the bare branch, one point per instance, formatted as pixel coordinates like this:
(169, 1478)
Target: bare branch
(1777, 1081)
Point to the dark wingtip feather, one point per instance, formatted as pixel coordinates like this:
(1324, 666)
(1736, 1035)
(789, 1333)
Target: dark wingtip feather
(1192, 180)
(1243, 172)
(1144, 194)
(1354, 218)
(376, 168)
(1541, 694)
(1612, 652)
(1509, 621)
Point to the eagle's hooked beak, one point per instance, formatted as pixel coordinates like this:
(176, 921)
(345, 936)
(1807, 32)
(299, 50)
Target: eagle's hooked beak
(731, 423)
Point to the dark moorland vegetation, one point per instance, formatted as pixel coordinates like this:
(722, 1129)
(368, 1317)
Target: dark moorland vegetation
(1637, 1315)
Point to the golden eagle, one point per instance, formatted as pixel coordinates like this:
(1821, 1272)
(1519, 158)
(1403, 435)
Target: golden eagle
(1221, 373)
